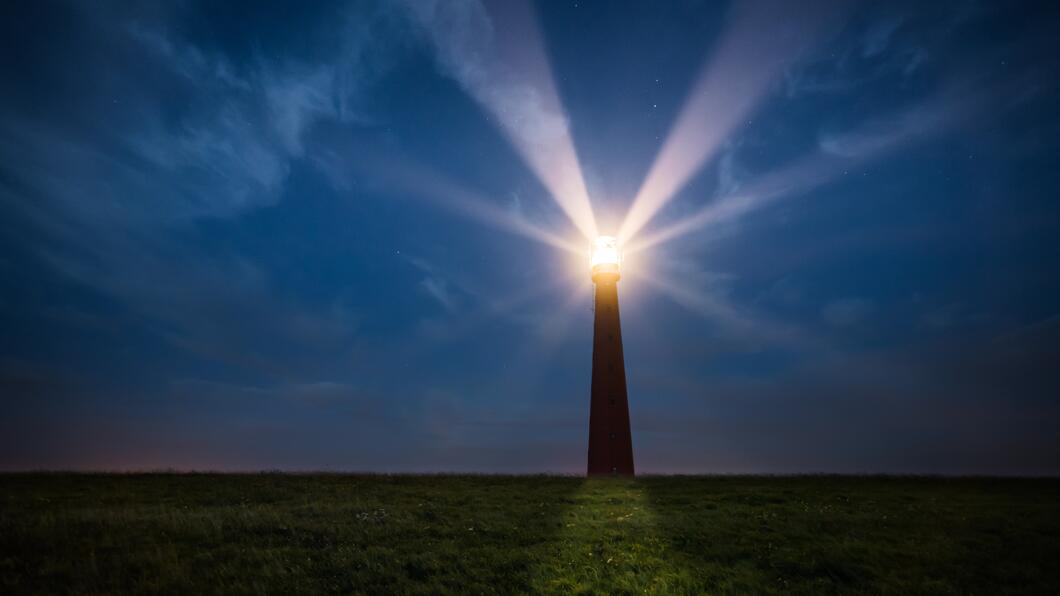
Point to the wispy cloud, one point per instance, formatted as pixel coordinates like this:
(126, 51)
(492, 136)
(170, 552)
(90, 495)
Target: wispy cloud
(438, 290)
(847, 311)
(221, 309)
(111, 206)
(878, 35)
(224, 143)
(436, 284)
(321, 393)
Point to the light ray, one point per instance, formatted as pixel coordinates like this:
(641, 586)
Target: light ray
(730, 320)
(762, 36)
(396, 172)
(436, 334)
(699, 302)
(548, 334)
(798, 178)
(529, 109)
(839, 153)
(497, 54)
(477, 207)
(540, 349)
(506, 306)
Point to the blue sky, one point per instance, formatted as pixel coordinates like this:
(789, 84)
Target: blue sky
(334, 235)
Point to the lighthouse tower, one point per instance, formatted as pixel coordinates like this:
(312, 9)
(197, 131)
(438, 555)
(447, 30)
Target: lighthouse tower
(610, 440)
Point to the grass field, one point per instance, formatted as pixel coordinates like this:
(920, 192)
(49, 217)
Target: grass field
(190, 533)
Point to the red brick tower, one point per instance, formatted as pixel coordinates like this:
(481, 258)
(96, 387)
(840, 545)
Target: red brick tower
(610, 440)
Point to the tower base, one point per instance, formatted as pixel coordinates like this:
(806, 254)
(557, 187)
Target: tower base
(610, 439)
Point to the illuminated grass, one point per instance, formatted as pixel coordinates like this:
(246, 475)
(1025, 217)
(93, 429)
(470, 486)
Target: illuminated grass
(495, 534)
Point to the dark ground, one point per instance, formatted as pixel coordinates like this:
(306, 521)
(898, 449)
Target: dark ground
(190, 533)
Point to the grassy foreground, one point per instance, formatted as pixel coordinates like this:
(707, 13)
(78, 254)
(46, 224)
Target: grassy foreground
(277, 533)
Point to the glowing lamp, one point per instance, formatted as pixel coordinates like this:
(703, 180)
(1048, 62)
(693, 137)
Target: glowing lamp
(604, 259)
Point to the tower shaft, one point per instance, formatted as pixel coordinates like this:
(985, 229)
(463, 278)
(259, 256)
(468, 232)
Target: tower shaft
(610, 440)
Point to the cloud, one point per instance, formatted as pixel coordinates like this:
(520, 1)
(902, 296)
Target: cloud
(786, 291)
(847, 312)
(321, 393)
(217, 309)
(878, 36)
(109, 190)
(434, 284)
(206, 136)
(187, 60)
(730, 174)
(437, 289)
(292, 94)
(882, 134)
(707, 294)
(945, 316)
(261, 119)
(867, 53)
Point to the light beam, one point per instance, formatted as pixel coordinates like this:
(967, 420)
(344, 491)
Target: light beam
(839, 154)
(731, 321)
(528, 107)
(497, 54)
(396, 172)
(762, 37)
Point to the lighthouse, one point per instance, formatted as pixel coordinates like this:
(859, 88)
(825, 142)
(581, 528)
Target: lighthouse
(610, 440)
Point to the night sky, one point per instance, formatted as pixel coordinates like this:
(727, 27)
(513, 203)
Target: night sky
(313, 236)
